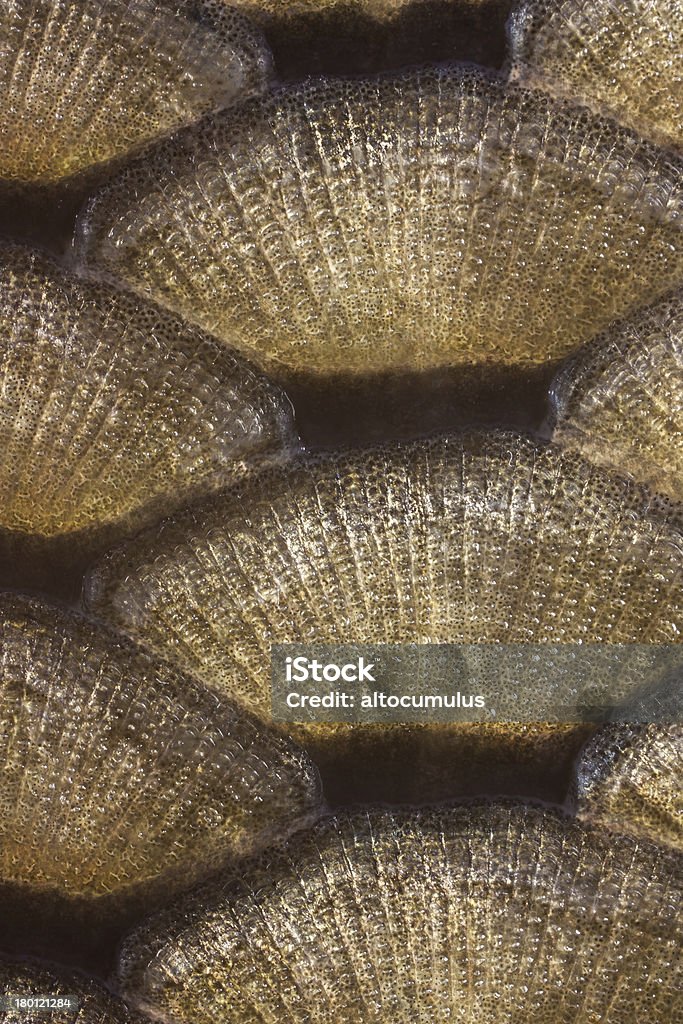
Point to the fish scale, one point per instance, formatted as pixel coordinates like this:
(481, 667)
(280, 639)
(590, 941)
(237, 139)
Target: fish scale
(532, 915)
(430, 219)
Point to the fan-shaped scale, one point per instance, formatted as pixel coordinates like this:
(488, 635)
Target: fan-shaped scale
(85, 83)
(427, 219)
(628, 778)
(112, 411)
(475, 539)
(119, 775)
(619, 401)
(22, 978)
(478, 916)
(625, 58)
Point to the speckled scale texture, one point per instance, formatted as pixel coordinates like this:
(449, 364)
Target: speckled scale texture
(478, 916)
(620, 399)
(429, 219)
(97, 1005)
(89, 82)
(628, 778)
(112, 411)
(618, 56)
(464, 538)
(118, 775)
(264, 11)
(268, 8)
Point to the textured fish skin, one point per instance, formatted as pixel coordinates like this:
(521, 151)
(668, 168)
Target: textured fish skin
(623, 58)
(619, 400)
(113, 412)
(628, 778)
(394, 223)
(479, 915)
(96, 1004)
(86, 83)
(119, 776)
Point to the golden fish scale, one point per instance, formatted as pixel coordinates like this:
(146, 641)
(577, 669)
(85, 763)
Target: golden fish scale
(120, 775)
(474, 538)
(112, 411)
(628, 779)
(625, 58)
(96, 1004)
(426, 219)
(619, 401)
(85, 83)
(496, 915)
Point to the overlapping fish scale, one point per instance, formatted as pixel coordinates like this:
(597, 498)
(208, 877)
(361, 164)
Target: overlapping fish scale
(119, 776)
(425, 219)
(95, 1005)
(628, 778)
(490, 915)
(619, 401)
(112, 412)
(472, 538)
(623, 58)
(82, 84)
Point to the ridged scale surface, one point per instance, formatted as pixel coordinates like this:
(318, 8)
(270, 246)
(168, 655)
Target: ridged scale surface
(118, 774)
(379, 8)
(112, 411)
(84, 83)
(628, 778)
(267, 10)
(429, 219)
(478, 916)
(97, 1005)
(465, 538)
(622, 57)
(619, 401)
